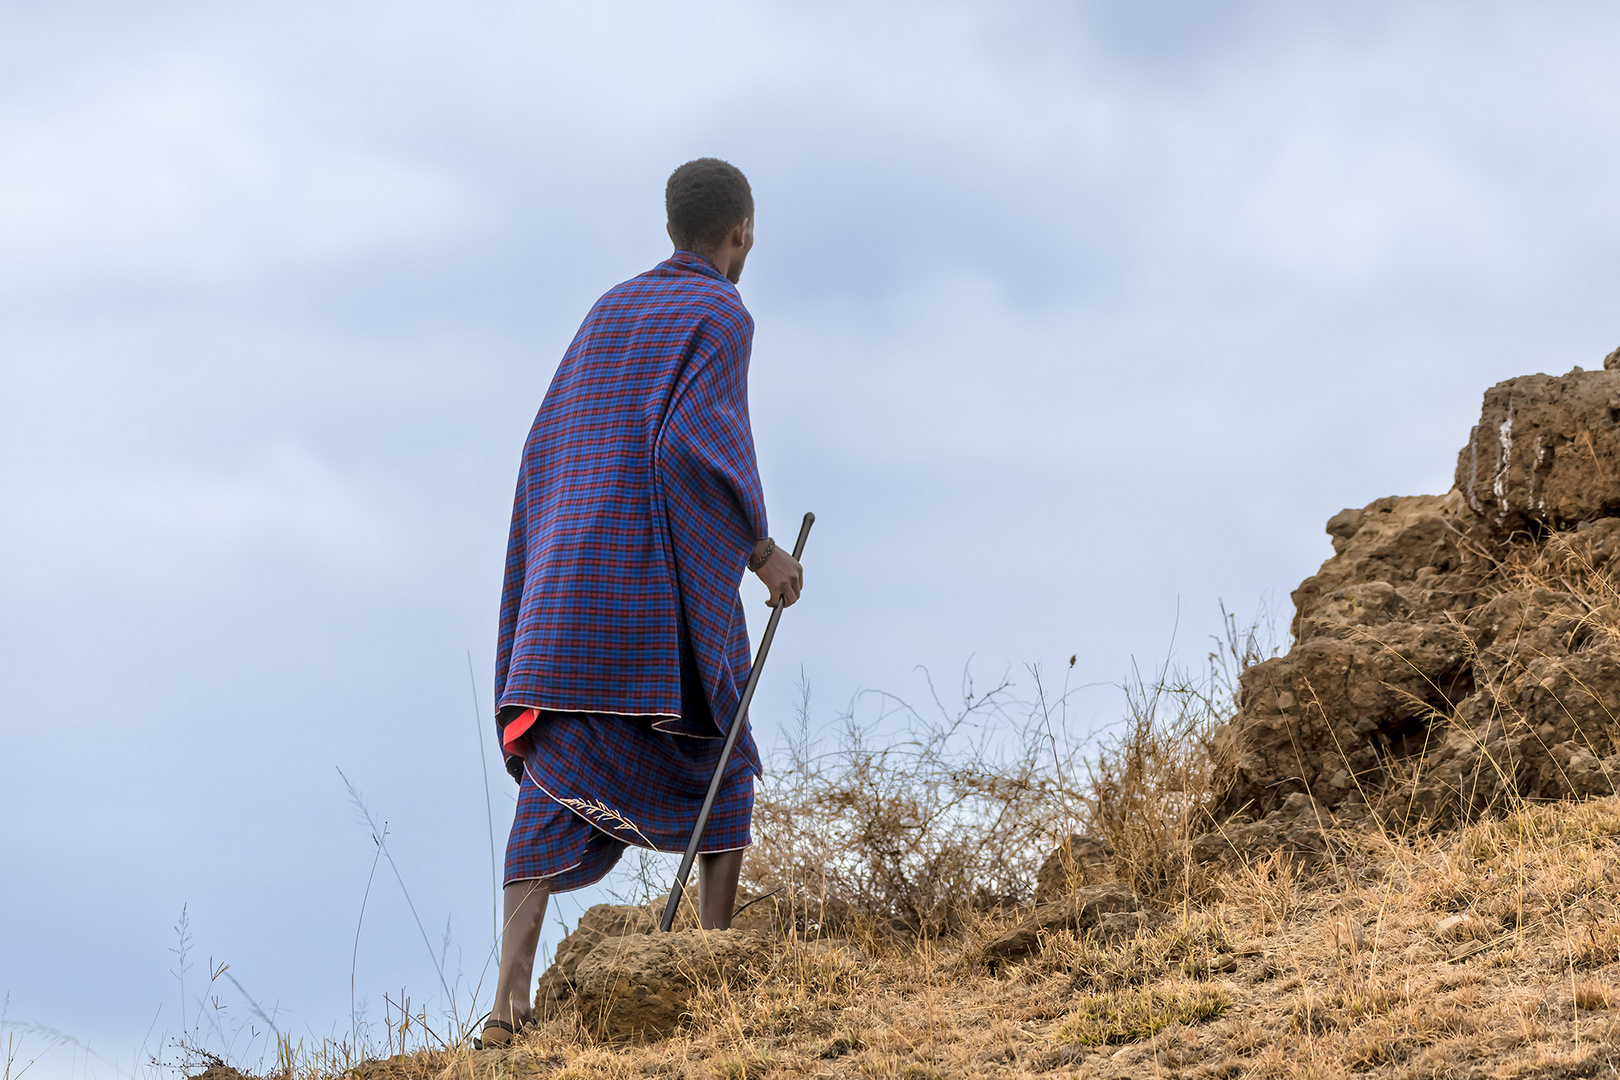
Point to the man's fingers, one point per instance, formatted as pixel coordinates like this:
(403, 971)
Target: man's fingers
(785, 594)
(789, 586)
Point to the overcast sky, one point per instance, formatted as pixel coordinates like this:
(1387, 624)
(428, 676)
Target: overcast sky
(1073, 321)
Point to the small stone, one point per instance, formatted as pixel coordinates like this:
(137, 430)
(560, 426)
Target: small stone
(1082, 910)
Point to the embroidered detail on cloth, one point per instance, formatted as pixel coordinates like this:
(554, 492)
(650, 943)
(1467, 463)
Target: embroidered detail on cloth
(595, 784)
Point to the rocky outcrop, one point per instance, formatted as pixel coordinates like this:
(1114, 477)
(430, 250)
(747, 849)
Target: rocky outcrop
(1546, 451)
(768, 914)
(1300, 829)
(641, 984)
(1458, 652)
(598, 924)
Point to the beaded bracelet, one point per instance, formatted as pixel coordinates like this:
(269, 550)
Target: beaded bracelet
(757, 561)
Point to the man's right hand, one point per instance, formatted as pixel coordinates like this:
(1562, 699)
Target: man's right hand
(783, 576)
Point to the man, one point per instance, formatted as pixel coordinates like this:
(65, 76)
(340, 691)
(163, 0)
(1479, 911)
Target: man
(623, 649)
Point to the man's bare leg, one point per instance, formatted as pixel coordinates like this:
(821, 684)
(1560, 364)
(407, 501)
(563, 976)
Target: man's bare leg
(717, 888)
(520, 938)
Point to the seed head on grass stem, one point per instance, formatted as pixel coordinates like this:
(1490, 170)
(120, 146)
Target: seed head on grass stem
(379, 836)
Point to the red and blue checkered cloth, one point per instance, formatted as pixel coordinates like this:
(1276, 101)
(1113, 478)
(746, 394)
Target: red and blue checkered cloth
(637, 504)
(595, 783)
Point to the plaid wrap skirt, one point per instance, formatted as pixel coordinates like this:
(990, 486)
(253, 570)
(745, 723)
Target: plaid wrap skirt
(595, 783)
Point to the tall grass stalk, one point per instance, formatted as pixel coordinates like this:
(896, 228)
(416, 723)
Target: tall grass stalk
(379, 835)
(489, 811)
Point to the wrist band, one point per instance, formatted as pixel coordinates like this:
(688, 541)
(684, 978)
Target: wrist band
(757, 561)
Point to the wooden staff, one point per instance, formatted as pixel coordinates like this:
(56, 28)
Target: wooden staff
(690, 857)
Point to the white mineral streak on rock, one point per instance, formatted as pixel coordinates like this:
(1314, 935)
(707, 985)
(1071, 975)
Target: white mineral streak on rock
(1535, 470)
(1504, 437)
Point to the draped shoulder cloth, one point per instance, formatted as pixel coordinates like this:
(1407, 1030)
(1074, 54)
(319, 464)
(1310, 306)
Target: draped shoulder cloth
(638, 501)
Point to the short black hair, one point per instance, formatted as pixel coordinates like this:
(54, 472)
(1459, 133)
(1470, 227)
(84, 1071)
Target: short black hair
(705, 198)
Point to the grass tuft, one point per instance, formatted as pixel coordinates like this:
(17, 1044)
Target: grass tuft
(1125, 1016)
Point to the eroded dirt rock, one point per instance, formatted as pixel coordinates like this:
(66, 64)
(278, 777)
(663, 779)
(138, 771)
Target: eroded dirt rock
(1457, 652)
(1078, 860)
(773, 915)
(1300, 828)
(1090, 907)
(1377, 652)
(598, 924)
(641, 984)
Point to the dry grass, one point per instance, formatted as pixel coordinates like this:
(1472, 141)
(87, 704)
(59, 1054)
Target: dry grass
(1358, 970)
(1354, 977)
(1126, 1016)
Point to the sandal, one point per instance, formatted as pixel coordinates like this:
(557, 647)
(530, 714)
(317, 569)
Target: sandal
(512, 1033)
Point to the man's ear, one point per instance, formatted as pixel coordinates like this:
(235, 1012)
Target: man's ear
(738, 237)
(671, 231)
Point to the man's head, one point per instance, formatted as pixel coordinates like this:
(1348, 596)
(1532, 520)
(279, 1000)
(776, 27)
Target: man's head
(711, 212)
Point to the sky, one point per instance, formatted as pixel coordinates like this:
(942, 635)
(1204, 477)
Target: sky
(1074, 322)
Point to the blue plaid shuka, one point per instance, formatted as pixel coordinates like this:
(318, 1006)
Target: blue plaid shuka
(623, 649)
(593, 784)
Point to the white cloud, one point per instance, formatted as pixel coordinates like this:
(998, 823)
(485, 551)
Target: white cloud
(193, 527)
(1345, 210)
(181, 168)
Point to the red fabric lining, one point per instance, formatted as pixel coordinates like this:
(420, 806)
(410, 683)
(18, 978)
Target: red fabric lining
(512, 736)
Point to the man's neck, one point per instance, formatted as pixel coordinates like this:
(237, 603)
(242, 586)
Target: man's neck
(721, 259)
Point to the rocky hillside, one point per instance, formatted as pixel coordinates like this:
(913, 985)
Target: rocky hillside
(1459, 653)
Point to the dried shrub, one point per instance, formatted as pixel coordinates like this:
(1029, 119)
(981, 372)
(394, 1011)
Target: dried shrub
(917, 822)
(1151, 787)
(912, 822)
